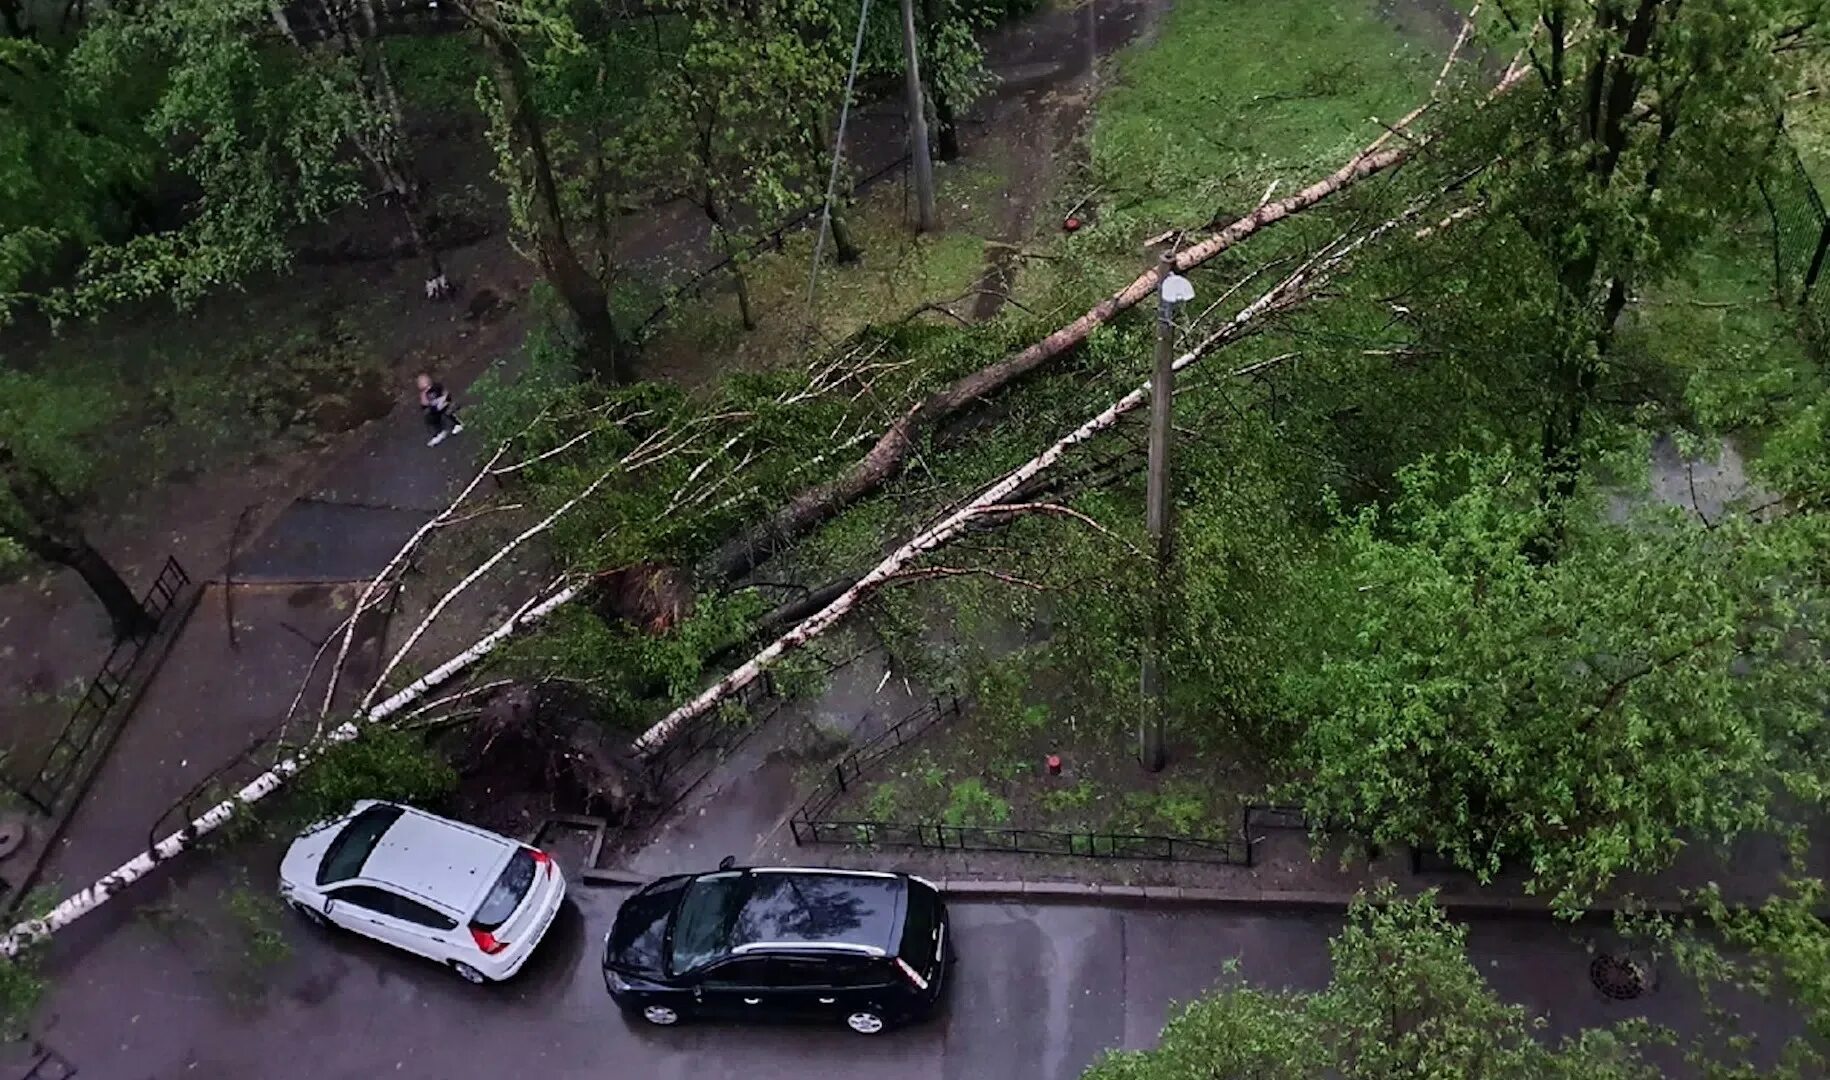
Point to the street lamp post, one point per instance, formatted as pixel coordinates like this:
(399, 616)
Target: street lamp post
(1171, 295)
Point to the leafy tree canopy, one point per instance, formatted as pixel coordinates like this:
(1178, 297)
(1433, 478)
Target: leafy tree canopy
(1403, 1002)
(1583, 717)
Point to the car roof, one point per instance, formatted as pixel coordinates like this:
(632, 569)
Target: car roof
(790, 908)
(442, 861)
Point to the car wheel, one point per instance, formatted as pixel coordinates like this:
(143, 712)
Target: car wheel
(311, 915)
(865, 1023)
(468, 974)
(660, 1015)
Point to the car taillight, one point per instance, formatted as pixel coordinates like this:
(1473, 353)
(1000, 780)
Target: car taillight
(543, 859)
(914, 976)
(487, 941)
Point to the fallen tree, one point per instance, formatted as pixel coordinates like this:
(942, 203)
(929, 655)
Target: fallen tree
(1298, 286)
(894, 449)
(804, 512)
(264, 785)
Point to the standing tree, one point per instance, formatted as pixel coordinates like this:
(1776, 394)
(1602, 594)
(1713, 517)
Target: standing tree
(45, 428)
(729, 122)
(1403, 1002)
(41, 519)
(352, 43)
(72, 168)
(1659, 682)
(538, 208)
(1649, 117)
(258, 135)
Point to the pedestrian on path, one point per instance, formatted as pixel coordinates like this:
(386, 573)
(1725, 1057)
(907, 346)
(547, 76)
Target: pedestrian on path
(441, 414)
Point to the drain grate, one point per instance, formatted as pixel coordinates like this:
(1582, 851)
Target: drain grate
(1618, 977)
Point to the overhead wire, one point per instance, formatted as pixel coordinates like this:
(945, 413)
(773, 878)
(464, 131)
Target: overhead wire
(838, 156)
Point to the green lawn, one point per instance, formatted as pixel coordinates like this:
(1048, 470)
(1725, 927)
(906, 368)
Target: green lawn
(1235, 93)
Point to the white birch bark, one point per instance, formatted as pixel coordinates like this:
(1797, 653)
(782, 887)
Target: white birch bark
(93, 897)
(951, 526)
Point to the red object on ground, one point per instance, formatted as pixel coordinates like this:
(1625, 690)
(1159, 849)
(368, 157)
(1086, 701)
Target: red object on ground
(1071, 224)
(1054, 764)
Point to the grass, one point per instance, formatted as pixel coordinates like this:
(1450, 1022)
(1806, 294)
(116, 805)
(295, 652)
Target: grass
(1716, 329)
(899, 271)
(1234, 94)
(1230, 96)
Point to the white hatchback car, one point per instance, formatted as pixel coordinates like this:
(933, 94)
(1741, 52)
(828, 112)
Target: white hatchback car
(467, 898)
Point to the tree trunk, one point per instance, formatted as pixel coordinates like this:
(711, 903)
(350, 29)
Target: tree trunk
(606, 352)
(812, 507)
(95, 895)
(46, 526)
(715, 215)
(600, 188)
(844, 246)
(9, 19)
(946, 124)
(1612, 87)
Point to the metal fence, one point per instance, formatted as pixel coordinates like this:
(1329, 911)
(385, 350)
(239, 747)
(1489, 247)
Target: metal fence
(893, 738)
(937, 836)
(811, 825)
(707, 738)
(1801, 227)
(60, 771)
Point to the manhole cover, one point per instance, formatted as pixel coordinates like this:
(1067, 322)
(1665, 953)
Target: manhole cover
(1618, 977)
(12, 835)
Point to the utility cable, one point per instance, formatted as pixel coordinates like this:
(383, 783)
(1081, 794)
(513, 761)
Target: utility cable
(838, 155)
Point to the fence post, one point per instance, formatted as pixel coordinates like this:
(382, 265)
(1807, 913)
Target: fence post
(1817, 261)
(1772, 213)
(838, 773)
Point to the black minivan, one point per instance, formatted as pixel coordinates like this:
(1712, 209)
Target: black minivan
(860, 946)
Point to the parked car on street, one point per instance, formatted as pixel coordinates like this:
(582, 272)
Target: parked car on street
(780, 943)
(462, 896)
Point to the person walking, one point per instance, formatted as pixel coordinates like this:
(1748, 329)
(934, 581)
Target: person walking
(441, 414)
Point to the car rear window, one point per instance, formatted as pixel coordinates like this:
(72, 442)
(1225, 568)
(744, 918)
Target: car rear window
(351, 848)
(508, 891)
(918, 927)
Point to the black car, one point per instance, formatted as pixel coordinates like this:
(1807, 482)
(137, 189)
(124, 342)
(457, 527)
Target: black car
(863, 947)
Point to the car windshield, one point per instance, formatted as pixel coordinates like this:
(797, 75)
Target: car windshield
(702, 929)
(351, 848)
(723, 912)
(507, 893)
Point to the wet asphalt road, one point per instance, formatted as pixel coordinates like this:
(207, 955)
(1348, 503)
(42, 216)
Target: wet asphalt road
(1039, 992)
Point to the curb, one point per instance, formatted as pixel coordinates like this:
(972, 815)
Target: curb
(992, 892)
(989, 891)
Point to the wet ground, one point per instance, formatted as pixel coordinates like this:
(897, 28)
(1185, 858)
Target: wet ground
(1039, 992)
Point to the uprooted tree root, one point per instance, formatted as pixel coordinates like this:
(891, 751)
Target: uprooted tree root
(535, 749)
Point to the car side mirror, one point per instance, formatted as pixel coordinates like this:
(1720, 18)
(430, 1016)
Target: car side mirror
(328, 904)
(727, 862)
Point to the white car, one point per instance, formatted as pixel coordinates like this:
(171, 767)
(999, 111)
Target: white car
(467, 898)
